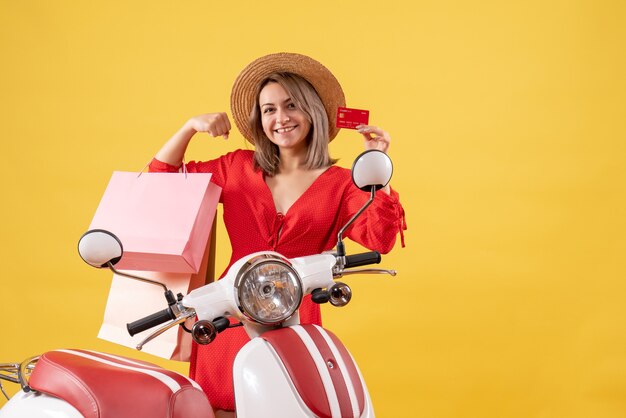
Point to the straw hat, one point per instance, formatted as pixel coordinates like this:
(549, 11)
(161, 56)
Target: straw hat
(242, 97)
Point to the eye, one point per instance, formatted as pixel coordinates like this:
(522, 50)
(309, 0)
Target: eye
(291, 106)
(268, 110)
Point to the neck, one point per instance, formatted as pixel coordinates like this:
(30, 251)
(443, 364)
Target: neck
(291, 160)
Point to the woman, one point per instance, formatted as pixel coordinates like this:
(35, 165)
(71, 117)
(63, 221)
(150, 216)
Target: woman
(286, 195)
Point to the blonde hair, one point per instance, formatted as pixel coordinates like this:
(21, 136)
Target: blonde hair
(302, 93)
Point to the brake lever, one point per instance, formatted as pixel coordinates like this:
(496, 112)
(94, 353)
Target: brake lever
(185, 315)
(364, 271)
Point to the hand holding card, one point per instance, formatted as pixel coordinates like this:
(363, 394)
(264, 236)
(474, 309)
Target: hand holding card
(375, 138)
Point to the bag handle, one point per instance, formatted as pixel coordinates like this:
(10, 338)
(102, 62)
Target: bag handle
(182, 168)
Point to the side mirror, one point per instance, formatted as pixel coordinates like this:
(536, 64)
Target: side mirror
(372, 168)
(371, 171)
(100, 248)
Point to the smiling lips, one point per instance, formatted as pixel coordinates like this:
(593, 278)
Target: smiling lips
(285, 130)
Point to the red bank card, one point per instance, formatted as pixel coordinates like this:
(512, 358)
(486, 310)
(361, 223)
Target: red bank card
(351, 118)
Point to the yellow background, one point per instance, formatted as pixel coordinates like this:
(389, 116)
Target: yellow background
(508, 127)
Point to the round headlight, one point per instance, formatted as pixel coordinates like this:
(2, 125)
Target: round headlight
(268, 290)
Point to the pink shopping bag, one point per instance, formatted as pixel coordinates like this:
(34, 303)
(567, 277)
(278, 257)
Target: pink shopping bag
(162, 219)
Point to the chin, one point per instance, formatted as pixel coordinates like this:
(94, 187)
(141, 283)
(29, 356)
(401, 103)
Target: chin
(287, 142)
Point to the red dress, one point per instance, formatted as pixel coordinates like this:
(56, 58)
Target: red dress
(310, 226)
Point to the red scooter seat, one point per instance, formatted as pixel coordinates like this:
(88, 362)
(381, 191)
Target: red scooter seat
(101, 385)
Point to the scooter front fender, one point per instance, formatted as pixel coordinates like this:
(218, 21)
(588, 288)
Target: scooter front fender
(266, 385)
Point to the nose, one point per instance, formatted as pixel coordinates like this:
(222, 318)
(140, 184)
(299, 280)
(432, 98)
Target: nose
(282, 117)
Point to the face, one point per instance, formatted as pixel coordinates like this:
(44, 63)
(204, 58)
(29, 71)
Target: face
(283, 122)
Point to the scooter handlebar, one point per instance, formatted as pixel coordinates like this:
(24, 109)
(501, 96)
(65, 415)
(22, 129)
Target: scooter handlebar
(150, 321)
(362, 259)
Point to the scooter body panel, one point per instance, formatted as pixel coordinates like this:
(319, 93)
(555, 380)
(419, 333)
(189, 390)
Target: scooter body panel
(40, 405)
(265, 387)
(262, 385)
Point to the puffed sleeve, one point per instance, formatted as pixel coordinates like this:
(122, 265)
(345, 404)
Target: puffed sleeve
(381, 222)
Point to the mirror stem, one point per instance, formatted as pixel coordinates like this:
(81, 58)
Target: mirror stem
(341, 251)
(142, 279)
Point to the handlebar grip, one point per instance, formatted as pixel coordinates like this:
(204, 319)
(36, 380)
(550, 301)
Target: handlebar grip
(363, 259)
(150, 321)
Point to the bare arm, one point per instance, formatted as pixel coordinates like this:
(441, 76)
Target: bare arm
(173, 151)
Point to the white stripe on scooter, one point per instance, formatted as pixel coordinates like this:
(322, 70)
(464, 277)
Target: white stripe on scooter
(165, 379)
(344, 370)
(156, 368)
(329, 388)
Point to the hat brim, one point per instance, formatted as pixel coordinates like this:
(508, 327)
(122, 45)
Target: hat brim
(242, 97)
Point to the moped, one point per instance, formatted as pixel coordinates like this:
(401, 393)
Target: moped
(285, 370)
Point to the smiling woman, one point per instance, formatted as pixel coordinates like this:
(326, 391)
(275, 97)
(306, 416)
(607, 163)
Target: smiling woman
(289, 108)
(287, 195)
